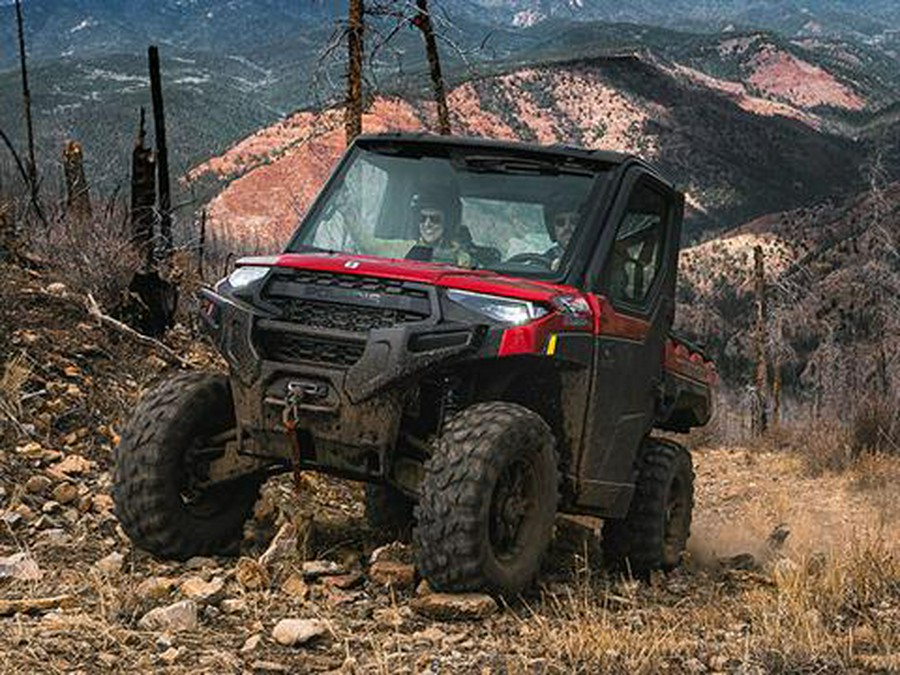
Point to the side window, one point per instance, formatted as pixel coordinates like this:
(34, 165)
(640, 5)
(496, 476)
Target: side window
(637, 253)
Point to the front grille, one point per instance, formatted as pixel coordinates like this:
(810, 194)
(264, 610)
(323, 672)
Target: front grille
(333, 309)
(288, 347)
(334, 316)
(355, 282)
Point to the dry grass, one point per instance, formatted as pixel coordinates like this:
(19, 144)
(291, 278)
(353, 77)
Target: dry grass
(829, 601)
(16, 374)
(94, 256)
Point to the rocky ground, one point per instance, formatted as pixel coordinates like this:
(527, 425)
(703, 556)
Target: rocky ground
(786, 573)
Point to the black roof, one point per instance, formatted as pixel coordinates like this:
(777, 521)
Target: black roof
(605, 156)
(608, 157)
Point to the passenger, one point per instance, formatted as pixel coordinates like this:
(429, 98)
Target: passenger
(562, 227)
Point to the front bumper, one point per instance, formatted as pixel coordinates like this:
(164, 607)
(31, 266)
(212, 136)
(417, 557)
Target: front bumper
(355, 383)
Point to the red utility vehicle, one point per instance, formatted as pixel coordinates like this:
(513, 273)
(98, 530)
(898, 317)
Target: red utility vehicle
(479, 330)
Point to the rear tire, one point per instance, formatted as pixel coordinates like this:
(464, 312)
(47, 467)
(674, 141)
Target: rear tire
(152, 481)
(488, 501)
(654, 533)
(389, 512)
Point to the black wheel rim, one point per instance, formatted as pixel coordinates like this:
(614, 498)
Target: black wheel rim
(675, 523)
(512, 509)
(201, 502)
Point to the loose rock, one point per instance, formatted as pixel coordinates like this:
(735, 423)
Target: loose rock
(199, 562)
(314, 569)
(394, 552)
(233, 605)
(102, 503)
(155, 588)
(251, 643)
(345, 581)
(203, 592)
(449, 607)
(177, 617)
(294, 632)
(251, 575)
(389, 573)
(295, 587)
(37, 484)
(111, 564)
(20, 566)
(170, 655)
(65, 493)
(71, 465)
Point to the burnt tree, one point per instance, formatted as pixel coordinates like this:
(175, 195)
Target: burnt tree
(354, 103)
(143, 194)
(422, 21)
(153, 298)
(78, 200)
(760, 404)
(162, 156)
(26, 100)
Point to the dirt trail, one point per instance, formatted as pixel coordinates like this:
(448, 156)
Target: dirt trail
(742, 496)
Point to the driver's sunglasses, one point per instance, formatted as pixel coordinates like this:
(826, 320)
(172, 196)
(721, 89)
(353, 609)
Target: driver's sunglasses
(435, 217)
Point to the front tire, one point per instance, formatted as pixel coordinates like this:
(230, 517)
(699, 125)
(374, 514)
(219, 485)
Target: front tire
(154, 499)
(654, 534)
(488, 501)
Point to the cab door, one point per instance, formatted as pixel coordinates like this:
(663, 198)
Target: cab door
(632, 286)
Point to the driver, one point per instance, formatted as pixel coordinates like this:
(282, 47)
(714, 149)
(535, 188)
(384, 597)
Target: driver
(439, 239)
(434, 213)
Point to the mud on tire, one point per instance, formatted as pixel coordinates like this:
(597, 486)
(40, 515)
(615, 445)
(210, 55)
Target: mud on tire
(153, 466)
(655, 532)
(488, 501)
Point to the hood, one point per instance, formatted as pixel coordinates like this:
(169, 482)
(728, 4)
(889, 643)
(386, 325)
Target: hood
(436, 274)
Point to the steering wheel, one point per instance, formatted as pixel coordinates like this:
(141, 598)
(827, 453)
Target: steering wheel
(530, 259)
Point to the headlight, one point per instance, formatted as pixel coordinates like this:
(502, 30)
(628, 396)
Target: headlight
(244, 276)
(507, 310)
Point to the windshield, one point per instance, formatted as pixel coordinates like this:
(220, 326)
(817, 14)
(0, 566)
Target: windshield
(470, 208)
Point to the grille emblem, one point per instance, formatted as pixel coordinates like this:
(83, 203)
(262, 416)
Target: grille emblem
(351, 264)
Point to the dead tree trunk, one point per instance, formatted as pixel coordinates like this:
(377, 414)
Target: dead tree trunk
(26, 100)
(354, 105)
(78, 199)
(162, 156)
(423, 22)
(143, 195)
(760, 420)
(776, 391)
(23, 172)
(202, 248)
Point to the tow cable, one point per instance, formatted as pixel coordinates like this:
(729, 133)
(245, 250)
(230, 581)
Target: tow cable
(289, 417)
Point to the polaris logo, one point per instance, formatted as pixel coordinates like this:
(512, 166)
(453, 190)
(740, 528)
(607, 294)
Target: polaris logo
(368, 295)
